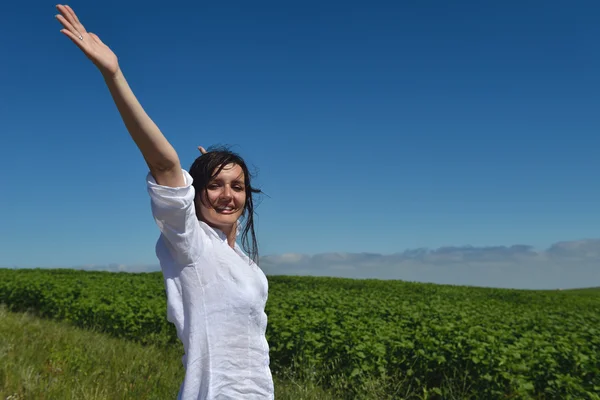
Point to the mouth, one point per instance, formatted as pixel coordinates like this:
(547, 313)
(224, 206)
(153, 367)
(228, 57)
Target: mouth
(225, 210)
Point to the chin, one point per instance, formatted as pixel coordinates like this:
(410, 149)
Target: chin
(222, 221)
(226, 221)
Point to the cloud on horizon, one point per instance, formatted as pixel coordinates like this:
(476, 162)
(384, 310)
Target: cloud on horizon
(567, 264)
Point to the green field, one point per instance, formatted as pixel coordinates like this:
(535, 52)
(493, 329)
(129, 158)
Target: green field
(49, 360)
(364, 338)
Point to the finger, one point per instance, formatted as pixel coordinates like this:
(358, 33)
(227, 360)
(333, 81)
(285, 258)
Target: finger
(66, 14)
(69, 16)
(76, 22)
(74, 38)
(68, 25)
(201, 149)
(68, 7)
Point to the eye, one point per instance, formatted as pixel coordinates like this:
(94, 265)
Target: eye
(238, 188)
(212, 186)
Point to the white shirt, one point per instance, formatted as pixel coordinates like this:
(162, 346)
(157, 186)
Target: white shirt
(215, 297)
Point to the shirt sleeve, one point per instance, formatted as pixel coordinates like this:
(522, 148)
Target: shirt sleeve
(174, 211)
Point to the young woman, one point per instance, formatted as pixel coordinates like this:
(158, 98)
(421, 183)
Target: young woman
(216, 294)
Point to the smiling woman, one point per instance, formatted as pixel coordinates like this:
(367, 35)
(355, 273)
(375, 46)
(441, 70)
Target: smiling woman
(222, 183)
(216, 294)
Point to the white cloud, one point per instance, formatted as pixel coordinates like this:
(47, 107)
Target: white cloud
(562, 265)
(567, 264)
(288, 258)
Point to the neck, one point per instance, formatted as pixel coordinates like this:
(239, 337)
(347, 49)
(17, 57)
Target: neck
(230, 232)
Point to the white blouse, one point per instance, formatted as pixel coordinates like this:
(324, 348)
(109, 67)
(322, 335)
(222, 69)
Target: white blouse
(215, 297)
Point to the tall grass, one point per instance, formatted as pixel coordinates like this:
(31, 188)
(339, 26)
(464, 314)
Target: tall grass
(49, 360)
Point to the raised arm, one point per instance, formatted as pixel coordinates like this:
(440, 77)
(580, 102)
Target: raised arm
(160, 156)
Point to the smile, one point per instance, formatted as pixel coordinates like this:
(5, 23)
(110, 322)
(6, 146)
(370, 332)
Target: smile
(225, 210)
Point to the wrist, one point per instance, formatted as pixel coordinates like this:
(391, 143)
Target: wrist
(112, 76)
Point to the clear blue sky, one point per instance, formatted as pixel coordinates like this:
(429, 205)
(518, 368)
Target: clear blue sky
(375, 126)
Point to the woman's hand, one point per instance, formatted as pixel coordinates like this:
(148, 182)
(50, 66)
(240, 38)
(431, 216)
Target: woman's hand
(89, 43)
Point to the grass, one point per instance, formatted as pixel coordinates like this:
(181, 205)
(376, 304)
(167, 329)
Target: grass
(44, 359)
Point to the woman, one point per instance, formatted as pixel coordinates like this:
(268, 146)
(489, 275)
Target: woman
(215, 293)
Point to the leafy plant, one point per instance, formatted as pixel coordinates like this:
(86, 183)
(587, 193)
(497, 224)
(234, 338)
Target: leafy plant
(435, 340)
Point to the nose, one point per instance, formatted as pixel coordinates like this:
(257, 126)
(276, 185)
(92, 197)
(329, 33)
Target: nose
(226, 193)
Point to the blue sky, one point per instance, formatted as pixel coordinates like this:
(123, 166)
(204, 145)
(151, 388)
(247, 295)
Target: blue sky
(375, 126)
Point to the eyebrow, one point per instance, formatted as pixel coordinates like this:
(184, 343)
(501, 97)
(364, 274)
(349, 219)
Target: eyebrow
(241, 182)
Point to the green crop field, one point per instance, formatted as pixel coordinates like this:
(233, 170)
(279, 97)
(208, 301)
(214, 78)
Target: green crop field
(392, 338)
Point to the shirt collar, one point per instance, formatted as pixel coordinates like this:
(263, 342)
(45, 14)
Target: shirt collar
(219, 233)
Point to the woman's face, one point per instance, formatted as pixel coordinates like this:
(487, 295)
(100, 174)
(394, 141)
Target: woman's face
(226, 198)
